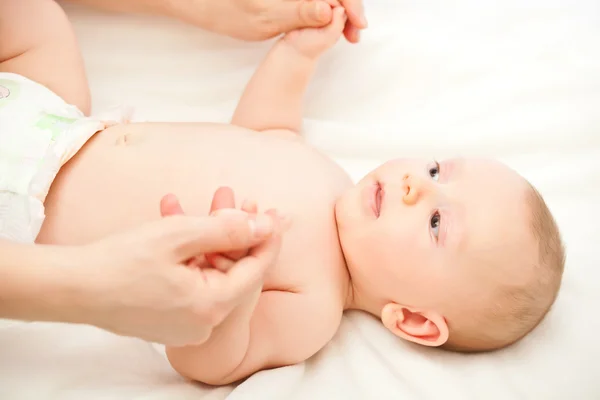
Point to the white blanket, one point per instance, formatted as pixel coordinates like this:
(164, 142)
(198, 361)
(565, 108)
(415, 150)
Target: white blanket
(517, 80)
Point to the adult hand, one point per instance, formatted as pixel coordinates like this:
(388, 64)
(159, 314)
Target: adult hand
(264, 19)
(224, 199)
(312, 42)
(143, 285)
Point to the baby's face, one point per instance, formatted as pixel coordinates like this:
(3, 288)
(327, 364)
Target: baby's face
(418, 231)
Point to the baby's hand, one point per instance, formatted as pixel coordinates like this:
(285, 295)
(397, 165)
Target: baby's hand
(224, 199)
(312, 42)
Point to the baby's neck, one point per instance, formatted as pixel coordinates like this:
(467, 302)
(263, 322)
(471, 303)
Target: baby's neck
(360, 299)
(357, 296)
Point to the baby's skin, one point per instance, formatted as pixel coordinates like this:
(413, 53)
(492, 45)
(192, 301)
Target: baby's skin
(403, 244)
(117, 180)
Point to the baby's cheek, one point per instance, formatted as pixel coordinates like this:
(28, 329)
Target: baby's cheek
(370, 246)
(409, 248)
(403, 236)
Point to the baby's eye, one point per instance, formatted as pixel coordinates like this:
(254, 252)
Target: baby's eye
(434, 223)
(434, 171)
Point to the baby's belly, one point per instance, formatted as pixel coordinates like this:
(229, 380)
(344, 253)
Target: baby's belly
(116, 181)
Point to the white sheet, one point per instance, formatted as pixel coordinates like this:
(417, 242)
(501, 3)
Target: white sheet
(518, 80)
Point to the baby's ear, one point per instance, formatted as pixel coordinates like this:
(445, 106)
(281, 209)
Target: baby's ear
(422, 327)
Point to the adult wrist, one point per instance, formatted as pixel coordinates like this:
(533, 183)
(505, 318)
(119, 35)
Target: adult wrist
(194, 12)
(42, 283)
(148, 7)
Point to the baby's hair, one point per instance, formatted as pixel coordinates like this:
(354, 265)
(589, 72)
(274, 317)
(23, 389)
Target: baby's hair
(516, 310)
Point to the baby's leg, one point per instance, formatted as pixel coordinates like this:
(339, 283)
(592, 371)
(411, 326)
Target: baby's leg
(38, 42)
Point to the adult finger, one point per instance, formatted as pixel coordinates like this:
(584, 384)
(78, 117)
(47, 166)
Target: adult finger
(185, 237)
(169, 205)
(303, 14)
(224, 198)
(351, 33)
(356, 13)
(338, 21)
(222, 263)
(250, 207)
(244, 275)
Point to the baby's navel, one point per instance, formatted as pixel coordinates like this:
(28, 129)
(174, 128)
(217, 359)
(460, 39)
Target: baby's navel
(125, 138)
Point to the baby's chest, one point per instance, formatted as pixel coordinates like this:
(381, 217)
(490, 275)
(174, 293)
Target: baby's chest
(309, 256)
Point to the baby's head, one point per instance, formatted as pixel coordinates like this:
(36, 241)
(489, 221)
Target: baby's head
(462, 254)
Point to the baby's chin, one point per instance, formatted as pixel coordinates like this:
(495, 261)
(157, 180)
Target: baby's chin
(343, 203)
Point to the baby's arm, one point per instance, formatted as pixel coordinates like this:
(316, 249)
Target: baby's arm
(286, 328)
(274, 96)
(37, 42)
(268, 329)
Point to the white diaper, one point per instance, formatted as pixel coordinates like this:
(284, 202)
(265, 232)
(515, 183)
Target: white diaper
(39, 133)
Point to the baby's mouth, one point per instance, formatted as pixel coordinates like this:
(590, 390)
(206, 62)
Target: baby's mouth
(378, 198)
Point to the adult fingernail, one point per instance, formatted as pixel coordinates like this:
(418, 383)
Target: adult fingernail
(362, 17)
(320, 12)
(261, 226)
(363, 21)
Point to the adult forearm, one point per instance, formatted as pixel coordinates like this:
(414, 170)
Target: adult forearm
(153, 7)
(40, 283)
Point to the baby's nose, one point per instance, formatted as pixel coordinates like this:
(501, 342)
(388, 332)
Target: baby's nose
(410, 190)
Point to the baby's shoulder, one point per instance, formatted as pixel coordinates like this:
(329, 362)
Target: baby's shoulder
(324, 293)
(314, 313)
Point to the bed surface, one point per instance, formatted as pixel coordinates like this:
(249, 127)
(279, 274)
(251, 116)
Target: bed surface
(516, 80)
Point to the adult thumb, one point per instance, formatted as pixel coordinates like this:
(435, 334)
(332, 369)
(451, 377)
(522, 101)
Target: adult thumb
(233, 230)
(305, 14)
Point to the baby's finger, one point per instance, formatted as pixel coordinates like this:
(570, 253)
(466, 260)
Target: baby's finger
(244, 275)
(222, 198)
(339, 20)
(197, 262)
(234, 254)
(169, 205)
(220, 262)
(250, 206)
(283, 222)
(356, 13)
(182, 238)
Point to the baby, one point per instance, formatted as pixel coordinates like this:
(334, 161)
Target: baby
(461, 254)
